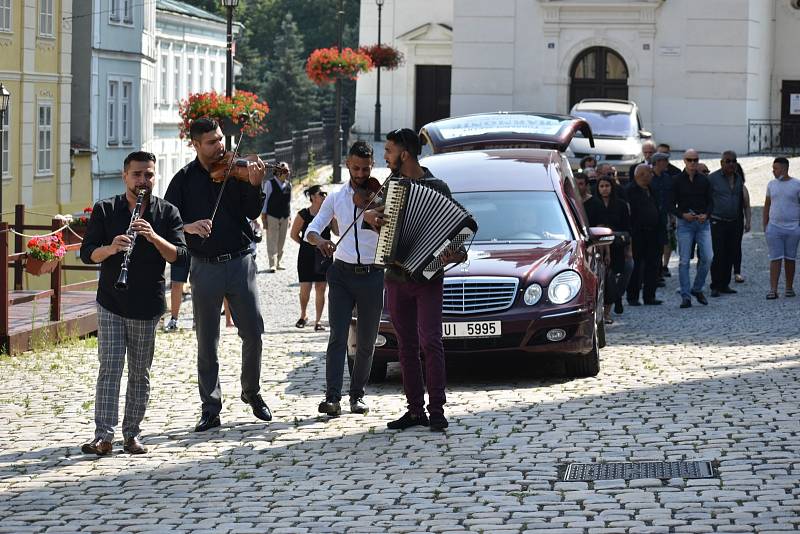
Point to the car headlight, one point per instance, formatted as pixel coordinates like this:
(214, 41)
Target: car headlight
(564, 287)
(532, 294)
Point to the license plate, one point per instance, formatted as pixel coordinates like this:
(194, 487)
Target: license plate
(471, 329)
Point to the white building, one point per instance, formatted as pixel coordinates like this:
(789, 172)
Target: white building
(191, 45)
(699, 69)
(113, 64)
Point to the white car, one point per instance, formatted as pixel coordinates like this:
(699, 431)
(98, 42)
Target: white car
(617, 130)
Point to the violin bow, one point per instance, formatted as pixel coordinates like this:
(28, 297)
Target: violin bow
(369, 203)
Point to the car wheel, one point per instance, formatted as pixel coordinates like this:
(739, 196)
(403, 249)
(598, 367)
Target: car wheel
(585, 365)
(601, 334)
(376, 374)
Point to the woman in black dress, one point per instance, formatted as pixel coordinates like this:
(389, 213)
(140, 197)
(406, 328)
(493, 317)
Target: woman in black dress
(309, 271)
(613, 213)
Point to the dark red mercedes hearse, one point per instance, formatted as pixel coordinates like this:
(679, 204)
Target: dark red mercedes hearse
(533, 280)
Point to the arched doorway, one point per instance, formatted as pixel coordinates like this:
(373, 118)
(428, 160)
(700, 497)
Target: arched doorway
(598, 72)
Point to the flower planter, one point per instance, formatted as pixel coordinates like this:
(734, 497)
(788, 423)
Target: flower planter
(70, 238)
(38, 267)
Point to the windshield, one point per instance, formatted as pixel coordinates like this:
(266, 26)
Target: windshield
(608, 123)
(516, 216)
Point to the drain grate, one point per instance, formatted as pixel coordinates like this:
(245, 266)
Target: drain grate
(630, 470)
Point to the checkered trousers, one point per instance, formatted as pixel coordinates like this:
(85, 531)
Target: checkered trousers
(116, 336)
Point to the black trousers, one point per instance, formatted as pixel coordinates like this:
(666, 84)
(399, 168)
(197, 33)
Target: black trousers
(737, 253)
(725, 240)
(647, 249)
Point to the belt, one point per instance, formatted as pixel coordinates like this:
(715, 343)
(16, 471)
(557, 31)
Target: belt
(222, 258)
(356, 268)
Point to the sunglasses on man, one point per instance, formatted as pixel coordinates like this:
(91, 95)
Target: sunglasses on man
(691, 160)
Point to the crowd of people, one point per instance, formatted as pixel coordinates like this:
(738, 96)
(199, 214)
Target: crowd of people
(657, 208)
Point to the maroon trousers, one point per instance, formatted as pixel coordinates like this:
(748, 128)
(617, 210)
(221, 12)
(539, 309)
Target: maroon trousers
(416, 311)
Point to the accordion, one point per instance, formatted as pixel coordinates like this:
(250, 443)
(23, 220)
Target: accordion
(420, 224)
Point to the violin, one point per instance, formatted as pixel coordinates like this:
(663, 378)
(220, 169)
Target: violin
(368, 194)
(239, 168)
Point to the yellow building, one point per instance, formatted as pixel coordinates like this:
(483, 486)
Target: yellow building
(35, 67)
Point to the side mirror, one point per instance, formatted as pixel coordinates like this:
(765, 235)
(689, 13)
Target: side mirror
(600, 235)
(644, 134)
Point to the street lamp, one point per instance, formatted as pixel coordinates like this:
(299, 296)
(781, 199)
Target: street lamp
(229, 5)
(5, 97)
(337, 136)
(379, 3)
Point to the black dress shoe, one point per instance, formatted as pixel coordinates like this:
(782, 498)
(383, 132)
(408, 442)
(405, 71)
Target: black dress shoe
(686, 303)
(407, 421)
(715, 293)
(653, 302)
(260, 408)
(438, 422)
(207, 421)
(727, 291)
(700, 297)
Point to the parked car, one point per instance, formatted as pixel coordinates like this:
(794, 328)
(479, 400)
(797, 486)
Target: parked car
(617, 131)
(533, 282)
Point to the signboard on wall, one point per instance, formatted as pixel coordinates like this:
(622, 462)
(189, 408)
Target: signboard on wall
(794, 104)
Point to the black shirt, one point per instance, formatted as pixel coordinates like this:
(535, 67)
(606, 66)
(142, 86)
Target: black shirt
(592, 206)
(194, 194)
(614, 216)
(690, 195)
(645, 215)
(144, 298)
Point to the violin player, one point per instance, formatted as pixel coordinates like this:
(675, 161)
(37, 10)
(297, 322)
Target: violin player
(353, 281)
(217, 198)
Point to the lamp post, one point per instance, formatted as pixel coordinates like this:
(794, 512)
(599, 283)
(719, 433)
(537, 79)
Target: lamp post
(229, 5)
(5, 97)
(337, 135)
(379, 3)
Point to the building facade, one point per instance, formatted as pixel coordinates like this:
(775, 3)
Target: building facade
(190, 58)
(698, 70)
(112, 85)
(35, 41)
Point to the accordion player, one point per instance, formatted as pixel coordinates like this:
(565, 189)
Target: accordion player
(421, 224)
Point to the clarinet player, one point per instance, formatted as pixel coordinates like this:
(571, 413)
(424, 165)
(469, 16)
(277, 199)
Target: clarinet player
(129, 313)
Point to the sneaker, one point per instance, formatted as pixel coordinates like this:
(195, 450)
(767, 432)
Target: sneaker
(330, 408)
(407, 421)
(357, 405)
(172, 325)
(438, 422)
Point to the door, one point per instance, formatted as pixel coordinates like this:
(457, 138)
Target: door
(432, 96)
(598, 72)
(790, 113)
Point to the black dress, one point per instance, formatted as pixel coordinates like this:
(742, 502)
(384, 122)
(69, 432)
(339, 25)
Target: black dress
(305, 258)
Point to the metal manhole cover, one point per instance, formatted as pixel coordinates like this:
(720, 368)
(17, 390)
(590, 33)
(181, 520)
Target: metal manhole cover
(631, 470)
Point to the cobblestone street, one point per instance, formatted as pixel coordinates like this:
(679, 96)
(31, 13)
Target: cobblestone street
(718, 382)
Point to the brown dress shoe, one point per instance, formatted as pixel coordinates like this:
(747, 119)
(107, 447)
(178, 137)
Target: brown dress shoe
(97, 446)
(134, 446)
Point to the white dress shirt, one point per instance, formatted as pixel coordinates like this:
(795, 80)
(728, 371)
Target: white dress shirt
(359, 245)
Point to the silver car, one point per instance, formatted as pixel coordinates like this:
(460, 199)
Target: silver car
(617, 130)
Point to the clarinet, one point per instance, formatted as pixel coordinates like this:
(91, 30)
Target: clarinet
(122, 281)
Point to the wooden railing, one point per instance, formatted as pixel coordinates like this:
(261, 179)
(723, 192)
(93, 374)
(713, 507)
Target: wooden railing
(16, 261)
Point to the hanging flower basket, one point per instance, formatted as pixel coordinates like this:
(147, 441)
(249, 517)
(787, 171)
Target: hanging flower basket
(383, 56)
(38, 267)
(325, 65)
(77, 226)
(242, 113)
(44, 253)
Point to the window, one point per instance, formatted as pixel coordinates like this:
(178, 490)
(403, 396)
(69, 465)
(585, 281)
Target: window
(176, 82)
(189, 68)
(6, 140)
(46, 18)
(120, 11)
(45, 136)
(113, 91)
(213, 70)
(164, 79)
(125, 112)
(5, 15)
(220, 76)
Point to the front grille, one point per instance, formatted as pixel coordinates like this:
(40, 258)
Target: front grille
(478, 294)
